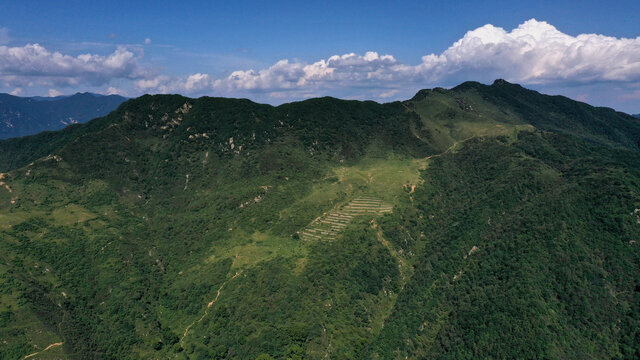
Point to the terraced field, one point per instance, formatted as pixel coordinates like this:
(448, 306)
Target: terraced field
(330, 225)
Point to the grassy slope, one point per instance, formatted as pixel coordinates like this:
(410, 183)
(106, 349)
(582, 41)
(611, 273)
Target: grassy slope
(138, 221)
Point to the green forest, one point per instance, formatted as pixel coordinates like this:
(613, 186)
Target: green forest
(482, 221)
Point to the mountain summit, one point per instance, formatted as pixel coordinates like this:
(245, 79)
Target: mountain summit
(484, 221)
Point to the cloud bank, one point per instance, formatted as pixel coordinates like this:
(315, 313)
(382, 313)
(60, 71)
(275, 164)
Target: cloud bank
(534, 53)
(34, 64)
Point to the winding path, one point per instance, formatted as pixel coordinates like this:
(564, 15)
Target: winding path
(206, 311)
(45, 349)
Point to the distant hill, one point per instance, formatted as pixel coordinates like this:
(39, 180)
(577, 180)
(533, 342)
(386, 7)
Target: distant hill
(479, 222)
(20, 116)
(636, 115)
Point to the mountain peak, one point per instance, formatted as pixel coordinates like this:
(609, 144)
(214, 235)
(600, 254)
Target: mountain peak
(423, 93)
(500, 82)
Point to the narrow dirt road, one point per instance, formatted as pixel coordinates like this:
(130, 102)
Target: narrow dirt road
(206, 311)
(45, 349)
(406, 271)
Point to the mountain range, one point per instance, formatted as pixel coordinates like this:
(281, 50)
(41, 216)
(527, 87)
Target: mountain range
(482, 221)
(20, 116)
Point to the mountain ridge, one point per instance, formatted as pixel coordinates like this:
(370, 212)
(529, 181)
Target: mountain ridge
(625, 127)
(20, 116)
(476, 222)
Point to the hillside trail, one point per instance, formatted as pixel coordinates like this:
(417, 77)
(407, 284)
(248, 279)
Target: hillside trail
(455, 143)
(403, 266)
(206, 311)
(45, 349)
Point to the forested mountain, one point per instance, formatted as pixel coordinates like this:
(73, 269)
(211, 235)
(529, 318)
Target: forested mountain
(20, 116)
(484, 221)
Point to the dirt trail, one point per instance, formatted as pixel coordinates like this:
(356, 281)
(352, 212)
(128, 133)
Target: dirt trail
(406, 272)
(411, 188)
(404, 266)
(206, 311)
(45, 349)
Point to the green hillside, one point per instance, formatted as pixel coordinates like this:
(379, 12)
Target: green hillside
(477, 222)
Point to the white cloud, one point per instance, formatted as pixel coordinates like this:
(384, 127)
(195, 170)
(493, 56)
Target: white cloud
(16, 92)
(111, 90)
(387, 94)
(54, 93)
(159, 84)
(286, 77)
(34, 62)
(338, 70)
(537, 53)
(534, 53)
(196, 82)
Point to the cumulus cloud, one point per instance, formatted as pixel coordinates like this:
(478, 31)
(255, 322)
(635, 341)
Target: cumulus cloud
(159, 84)
(285, 77)
(163, 84)
(337, 70)
(33, 62)
(538, 53)
(16, 92)
(112, 90)
(387, 94)
(533, 53)
(54, 93)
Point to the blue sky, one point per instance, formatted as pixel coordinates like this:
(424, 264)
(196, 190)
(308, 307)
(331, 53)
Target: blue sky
(277, 51)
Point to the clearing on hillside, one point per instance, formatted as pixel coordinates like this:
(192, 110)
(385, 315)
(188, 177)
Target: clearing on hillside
(328, 226)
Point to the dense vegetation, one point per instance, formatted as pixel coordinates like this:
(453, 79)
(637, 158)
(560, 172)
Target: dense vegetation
(170, 229)
(554, 268)
(20, 116)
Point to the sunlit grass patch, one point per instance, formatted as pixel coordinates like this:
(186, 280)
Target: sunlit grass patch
(71, 214)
